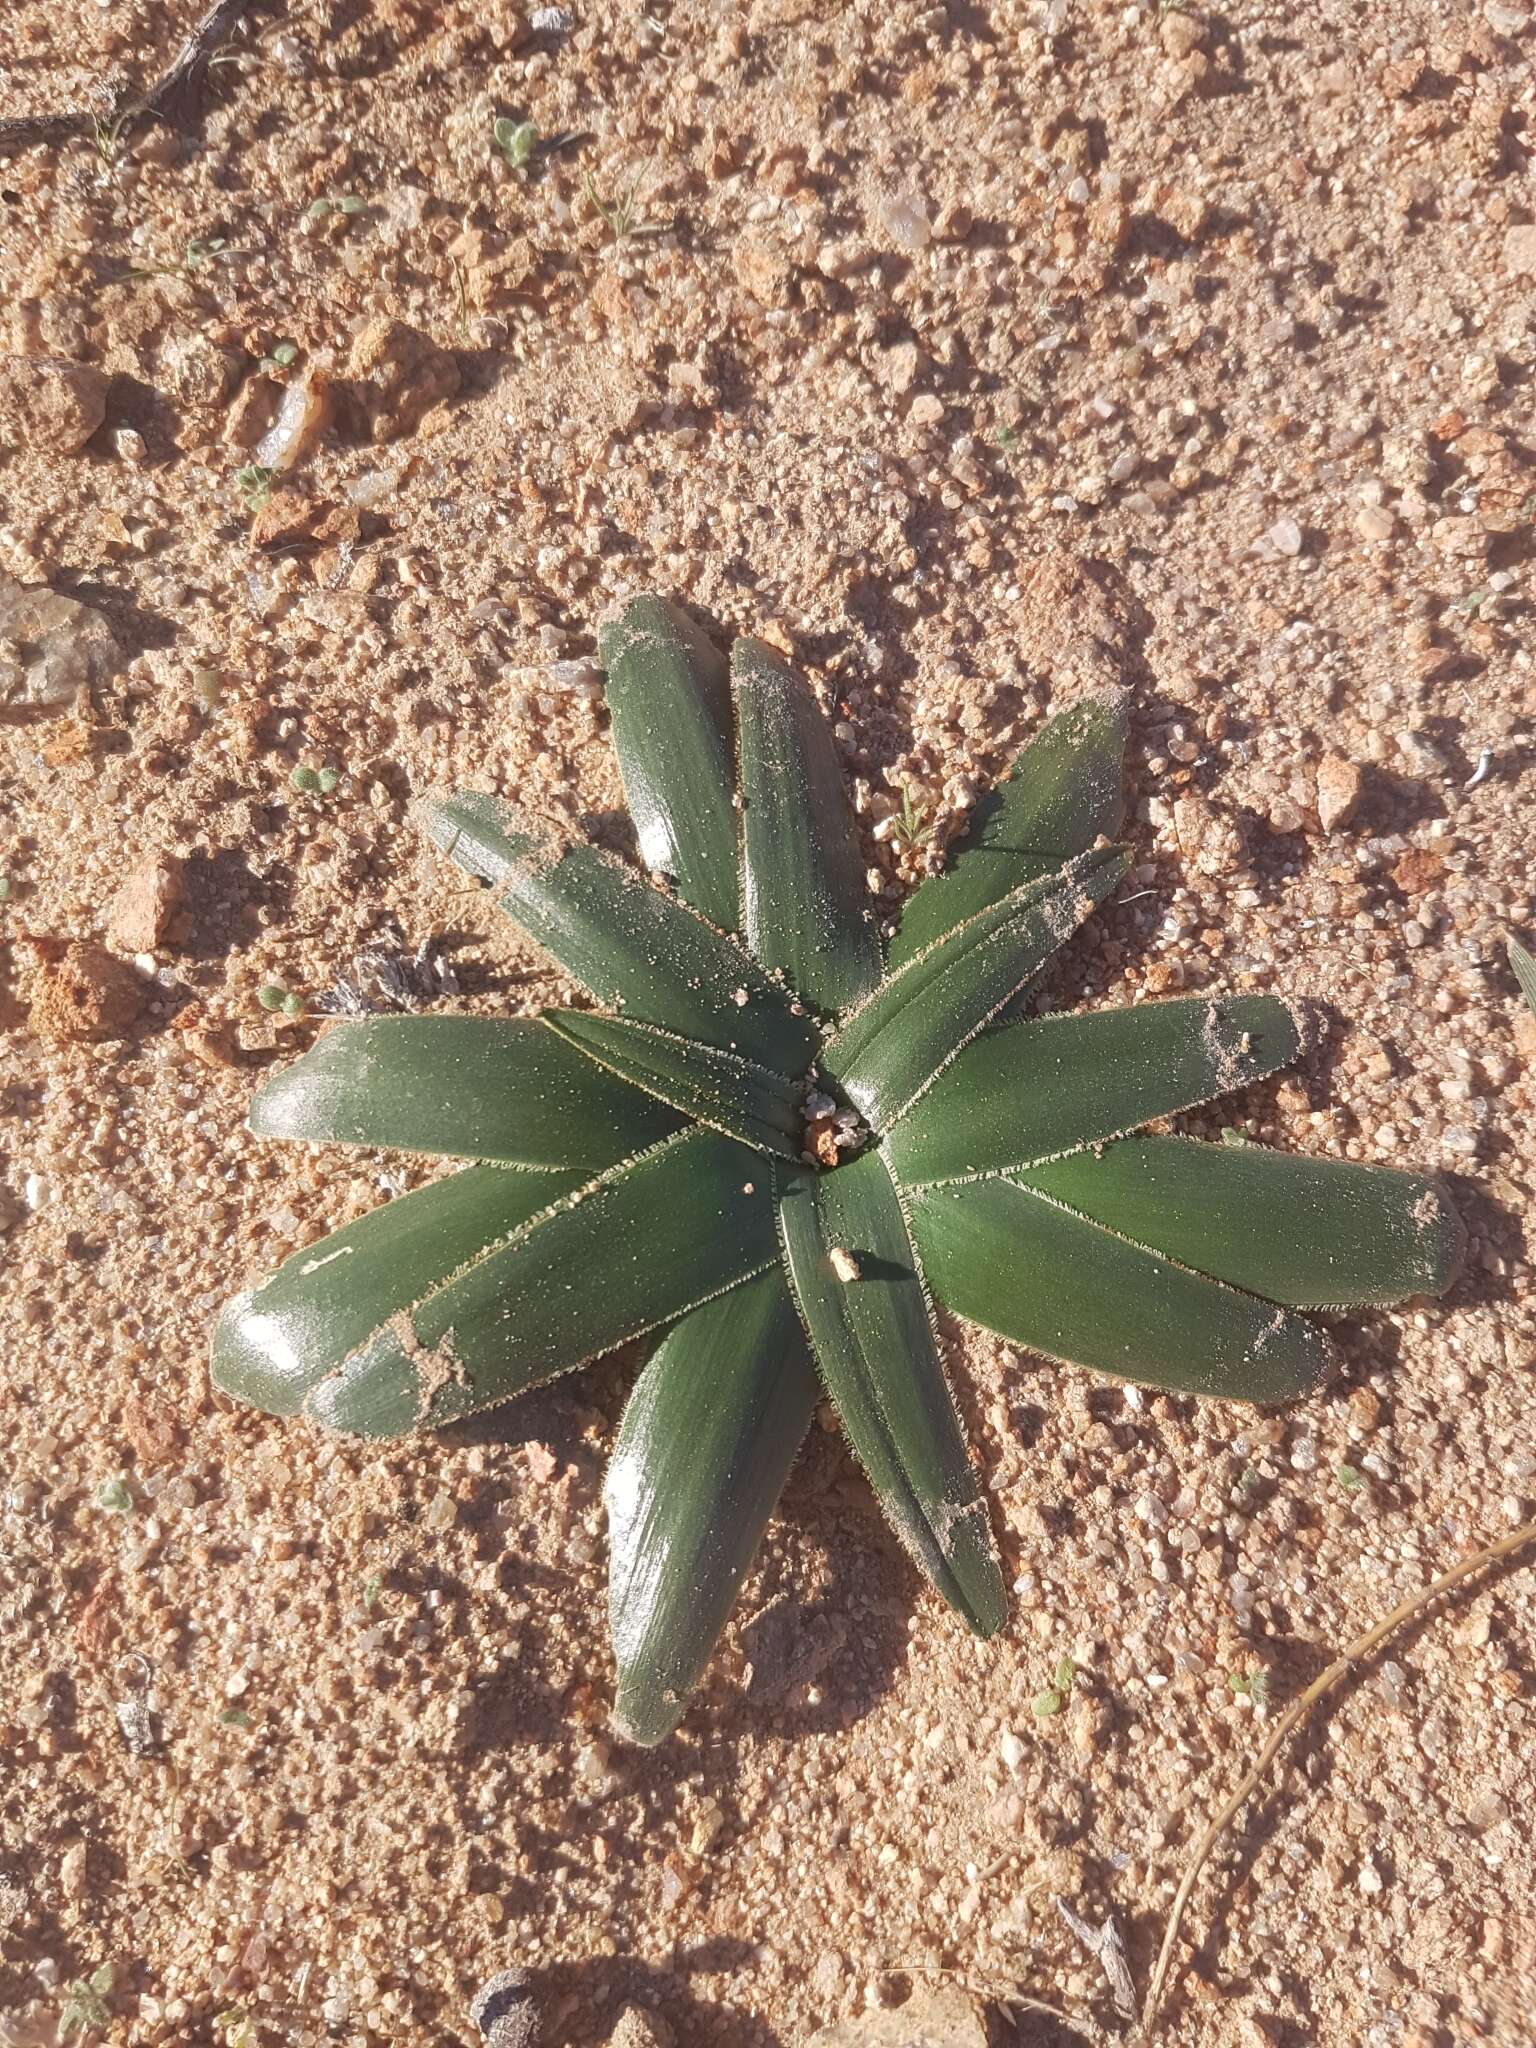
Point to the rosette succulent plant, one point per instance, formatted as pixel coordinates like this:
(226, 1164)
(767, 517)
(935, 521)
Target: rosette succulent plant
(775, 1140)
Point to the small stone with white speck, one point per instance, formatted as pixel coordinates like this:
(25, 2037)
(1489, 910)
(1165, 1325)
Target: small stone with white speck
(844, 1264)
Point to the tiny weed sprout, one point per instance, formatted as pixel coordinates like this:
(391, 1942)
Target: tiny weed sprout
(199, 254)
(85, 2009)
(109, 129)
(1252, 1686)
(911, 829)
(1351, 1479)
(273, 996)
(114, 1497)
(773, 1142)
(516, 140)
(347, 203)
(238, 2028)
(203, 250)
(1054, 1697)
(621, 214)
(283, 357)
(314, 781)
(254, 483)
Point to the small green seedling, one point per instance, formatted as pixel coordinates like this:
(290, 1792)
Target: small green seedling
(238, 2028)
(1252, 1686)
(85, 2009)
(771, 1143)
(234, 1717)
(273, 996)
(348, 203)
(283, 357)
(517, 140)
(622, 213)
(372, 1594)
(1054, 1697)
(1008, 441)
(1350, 1478)
(7, 888)
(114, 1496)
(201, 253)
(254, 483)
(913, 827)
(109, 129)
(314, 781)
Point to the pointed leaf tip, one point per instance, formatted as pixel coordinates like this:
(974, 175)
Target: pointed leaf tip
(892, 1048)
(806, 909)
(497, 1088)
(669, 703)
(1064, 794)
(709, 1434)
(1020, 1262)
(1048, 1085)
(1308, 1233)
(874, 1345)
(634, 946)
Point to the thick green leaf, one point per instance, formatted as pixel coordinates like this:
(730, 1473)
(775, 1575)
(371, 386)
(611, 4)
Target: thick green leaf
(1010, 1259)
(635, 947)
(1524, 968)
(805, 907)
(1028, 1091)
(1064, 796)
(893, 1046)
(669, 699)
(497, 1088)
(707, 1440)
(733, 1095)
(872, 1335)
(648, 1240)
(274, 1342)
(1311, 1233)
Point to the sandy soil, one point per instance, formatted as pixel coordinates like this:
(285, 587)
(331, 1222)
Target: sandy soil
(977, 352)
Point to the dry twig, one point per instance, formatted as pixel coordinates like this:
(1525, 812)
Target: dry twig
(170, 97)
(1295, 1713)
